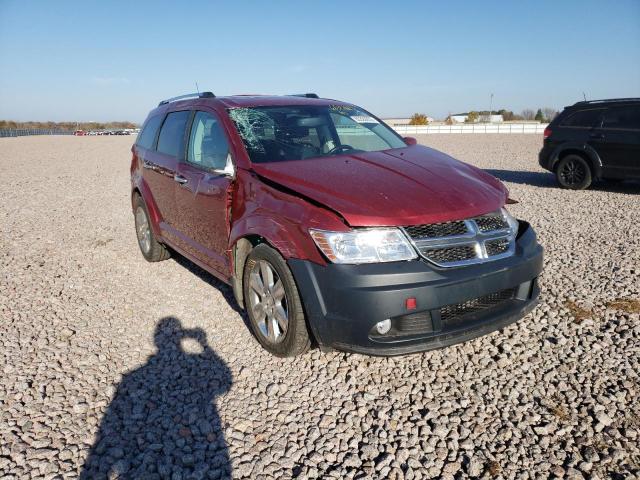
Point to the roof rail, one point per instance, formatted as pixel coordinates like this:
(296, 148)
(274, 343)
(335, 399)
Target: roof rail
(608, 100)
(305, 95)
(188, 95)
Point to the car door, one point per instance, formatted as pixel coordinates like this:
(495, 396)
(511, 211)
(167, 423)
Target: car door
(160, 166)
(203, 192)
(619, 141)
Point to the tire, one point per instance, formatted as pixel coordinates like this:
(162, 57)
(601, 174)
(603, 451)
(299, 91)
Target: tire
(574, 172)
(275, 312)
(151, 249)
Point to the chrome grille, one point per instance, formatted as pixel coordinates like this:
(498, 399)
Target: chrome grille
(452, 314)
(489, 223)
(436, 230)
(454, 244)
(496, 247)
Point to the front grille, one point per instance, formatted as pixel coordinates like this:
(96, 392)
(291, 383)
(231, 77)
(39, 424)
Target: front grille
(491, 223)
(475, 240)
(497, 247)
(451, 254)
(419, 322)
(453, 314)
(435, 230)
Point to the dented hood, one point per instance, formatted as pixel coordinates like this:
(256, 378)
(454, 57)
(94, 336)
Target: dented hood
(406, 186)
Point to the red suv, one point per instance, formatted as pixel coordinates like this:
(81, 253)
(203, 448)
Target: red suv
(329, 226)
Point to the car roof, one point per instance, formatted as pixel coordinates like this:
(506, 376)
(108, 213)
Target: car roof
(235, 101)
(604, 103)
(240, 101)
(246, 101)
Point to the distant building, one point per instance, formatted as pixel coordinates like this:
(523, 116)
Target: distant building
(402, 121)
(462, 118)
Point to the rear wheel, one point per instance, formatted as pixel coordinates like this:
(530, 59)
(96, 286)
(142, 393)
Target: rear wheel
(574, 172)
(152, 250)
(273, 304)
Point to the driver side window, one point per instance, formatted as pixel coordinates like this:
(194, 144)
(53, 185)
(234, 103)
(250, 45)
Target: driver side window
(208, 146)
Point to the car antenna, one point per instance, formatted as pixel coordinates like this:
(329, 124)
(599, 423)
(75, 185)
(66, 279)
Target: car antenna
(197, 88)
(584, 96)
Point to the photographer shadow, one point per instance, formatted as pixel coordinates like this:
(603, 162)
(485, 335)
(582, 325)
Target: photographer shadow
(162, 421)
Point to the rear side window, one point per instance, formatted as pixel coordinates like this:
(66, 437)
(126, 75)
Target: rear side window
(171, 139)
(627, 118)
(583, 118)
(149, 132)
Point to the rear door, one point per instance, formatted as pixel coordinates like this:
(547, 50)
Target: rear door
(160, 166)
(619, 141)
(203, 192)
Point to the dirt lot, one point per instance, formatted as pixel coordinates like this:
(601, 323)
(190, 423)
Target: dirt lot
(111, 364)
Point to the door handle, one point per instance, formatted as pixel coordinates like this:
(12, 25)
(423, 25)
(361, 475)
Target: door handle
(180, 179)
(597, 136)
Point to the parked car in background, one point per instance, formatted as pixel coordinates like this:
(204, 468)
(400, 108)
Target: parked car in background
(79, 133)
(594, 140)
(329, 226)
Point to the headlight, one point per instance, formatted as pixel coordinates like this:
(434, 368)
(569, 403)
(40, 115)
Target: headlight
(364, 246)
(514, 225)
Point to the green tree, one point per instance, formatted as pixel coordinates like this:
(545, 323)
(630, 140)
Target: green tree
(539, 116)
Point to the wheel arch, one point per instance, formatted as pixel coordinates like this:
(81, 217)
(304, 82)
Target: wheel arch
(240, 251)
(143, 192)
(585, 151)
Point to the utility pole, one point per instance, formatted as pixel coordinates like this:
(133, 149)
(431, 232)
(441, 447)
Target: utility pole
(490, 107)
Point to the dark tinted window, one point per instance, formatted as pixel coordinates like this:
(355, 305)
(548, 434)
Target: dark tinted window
(208, 147)
(623, 117)
(583, 118)
(171, 139)
(148, 133)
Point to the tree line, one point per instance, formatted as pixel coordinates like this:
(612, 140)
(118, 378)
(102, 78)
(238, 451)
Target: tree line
(10, 124)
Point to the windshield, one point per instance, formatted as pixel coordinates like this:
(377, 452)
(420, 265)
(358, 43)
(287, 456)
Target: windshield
(275, 134)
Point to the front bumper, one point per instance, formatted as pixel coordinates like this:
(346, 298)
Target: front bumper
(344, 302)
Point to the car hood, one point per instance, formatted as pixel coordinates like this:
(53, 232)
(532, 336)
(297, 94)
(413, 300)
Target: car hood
(406, 186)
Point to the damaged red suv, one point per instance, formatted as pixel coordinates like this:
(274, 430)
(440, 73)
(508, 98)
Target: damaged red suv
(330, 227)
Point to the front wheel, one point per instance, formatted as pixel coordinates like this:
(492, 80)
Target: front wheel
(573, 172)
(273, 304)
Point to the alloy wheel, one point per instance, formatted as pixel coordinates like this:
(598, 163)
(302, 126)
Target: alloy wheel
(573, 173)
(143, 230)
(268, 301)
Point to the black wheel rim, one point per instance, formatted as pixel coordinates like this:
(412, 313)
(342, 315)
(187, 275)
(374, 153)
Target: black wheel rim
(573, 173)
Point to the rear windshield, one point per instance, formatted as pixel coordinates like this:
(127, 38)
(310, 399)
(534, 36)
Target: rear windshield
(273, 134)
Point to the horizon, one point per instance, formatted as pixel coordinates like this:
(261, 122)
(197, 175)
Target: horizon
(80, 62)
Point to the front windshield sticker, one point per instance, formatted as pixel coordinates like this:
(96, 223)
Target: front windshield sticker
(363, 119)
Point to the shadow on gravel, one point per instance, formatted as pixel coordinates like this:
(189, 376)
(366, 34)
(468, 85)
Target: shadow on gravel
(547, 180)
(537, 179)
(162, 422)
(205, 276)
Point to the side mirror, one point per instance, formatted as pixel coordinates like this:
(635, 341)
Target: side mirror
(229, 169)
(410, 140)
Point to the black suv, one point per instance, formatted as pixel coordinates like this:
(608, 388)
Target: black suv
(594, 140)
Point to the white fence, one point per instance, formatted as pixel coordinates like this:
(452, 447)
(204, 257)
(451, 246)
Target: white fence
(472, 128)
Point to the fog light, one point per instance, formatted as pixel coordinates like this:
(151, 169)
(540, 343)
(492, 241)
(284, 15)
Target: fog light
(384, 326)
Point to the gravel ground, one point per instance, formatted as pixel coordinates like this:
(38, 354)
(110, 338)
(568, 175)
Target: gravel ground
(148, 370)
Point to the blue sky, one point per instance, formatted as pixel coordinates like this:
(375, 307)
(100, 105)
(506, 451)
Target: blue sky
(115, 60)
